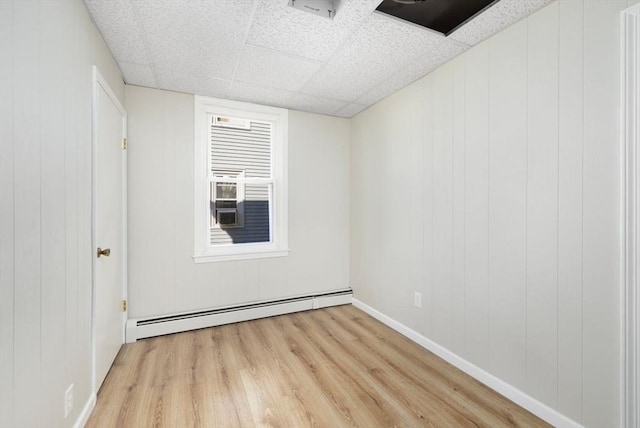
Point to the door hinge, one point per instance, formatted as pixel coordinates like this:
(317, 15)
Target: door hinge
(124, 144)
(124, 306)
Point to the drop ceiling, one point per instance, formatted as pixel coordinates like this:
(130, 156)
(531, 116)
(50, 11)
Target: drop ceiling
(265, 52)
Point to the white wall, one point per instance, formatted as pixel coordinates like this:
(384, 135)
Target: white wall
(491, 186)
(163, 279)
(47, 49)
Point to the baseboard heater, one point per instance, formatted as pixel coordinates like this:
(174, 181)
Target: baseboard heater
(158, 326)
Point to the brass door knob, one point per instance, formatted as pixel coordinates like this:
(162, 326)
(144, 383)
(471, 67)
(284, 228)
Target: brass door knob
(106, 252)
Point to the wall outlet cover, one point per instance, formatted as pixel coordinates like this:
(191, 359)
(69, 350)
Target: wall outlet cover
(68, 401)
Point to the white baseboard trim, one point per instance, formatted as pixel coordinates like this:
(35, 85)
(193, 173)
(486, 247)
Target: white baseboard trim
(539, 409)
(86, 412)
(143, 328)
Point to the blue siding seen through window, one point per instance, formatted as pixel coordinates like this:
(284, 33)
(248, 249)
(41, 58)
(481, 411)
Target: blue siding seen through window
(247, 151)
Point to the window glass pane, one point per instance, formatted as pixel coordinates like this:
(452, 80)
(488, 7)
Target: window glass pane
(255, 211)
(226, 191)
(248, 150)
(226, 204)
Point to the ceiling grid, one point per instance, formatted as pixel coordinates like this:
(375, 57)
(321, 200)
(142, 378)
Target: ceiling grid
(266, 52)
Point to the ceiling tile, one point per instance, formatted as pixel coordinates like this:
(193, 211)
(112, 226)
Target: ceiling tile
(274, 69)
(116, 21)
(496, 18)
(315, 104)
(137, 74)
(202, 85)
(280, 27)
(259, 94)
(350, 110)
(196, 37)
(375, 52)
(212, 87)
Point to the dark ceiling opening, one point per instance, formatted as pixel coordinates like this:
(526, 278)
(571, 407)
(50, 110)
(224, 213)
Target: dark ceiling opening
(443, 16)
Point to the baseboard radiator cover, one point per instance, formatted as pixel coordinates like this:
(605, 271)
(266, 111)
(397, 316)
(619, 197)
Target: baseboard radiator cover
(548, 414)
(168, 324)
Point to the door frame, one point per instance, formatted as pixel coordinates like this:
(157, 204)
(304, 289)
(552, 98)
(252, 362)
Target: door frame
(630, 222)
(100, 82)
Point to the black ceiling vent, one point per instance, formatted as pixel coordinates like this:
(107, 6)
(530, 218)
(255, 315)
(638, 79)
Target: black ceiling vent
(443, 16)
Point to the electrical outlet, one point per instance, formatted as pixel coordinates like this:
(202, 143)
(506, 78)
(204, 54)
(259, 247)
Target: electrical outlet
(417, 300)
(68, 401)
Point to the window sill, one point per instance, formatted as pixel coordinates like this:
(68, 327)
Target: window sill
(229, 256)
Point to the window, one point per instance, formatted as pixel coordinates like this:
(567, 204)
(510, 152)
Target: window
(227, 199)
(240, 181)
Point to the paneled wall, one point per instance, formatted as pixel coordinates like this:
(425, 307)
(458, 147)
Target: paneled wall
(491, 187)
(47, 49)
(163, 278)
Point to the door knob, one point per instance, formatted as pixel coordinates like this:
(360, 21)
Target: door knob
(106, 252)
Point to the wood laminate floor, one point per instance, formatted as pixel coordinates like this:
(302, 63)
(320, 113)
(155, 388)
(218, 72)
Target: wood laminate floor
(334, 367)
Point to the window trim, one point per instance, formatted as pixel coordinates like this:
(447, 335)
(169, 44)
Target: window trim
(203, 251)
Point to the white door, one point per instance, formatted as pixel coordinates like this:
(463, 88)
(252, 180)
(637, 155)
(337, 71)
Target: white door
(109, 226)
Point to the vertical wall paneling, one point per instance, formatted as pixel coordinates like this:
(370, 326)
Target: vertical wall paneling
(507, 203)
(428, 196)
(442, 295)
(331, 234)
(532, 173)
(153, 273)
(52, 205)
(476, 206)
(411, 230)
(170, 146)
(375, 162)
(87, 54)
(570, 131)
(542, 206)
(73, 117)
(357, 258)
(630, 295)
(601, 154)
(360, 256)
(27, 158)
(458, 209)
(163, 192)
(6, 213)
(46, 52)
(395, 262)
(417, 198)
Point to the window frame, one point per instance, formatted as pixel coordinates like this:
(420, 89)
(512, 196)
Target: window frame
(204, 252)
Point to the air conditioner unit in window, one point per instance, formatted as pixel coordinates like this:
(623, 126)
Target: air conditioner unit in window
(227, 216)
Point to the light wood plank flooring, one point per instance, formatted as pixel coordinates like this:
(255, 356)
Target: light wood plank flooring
(333, 367)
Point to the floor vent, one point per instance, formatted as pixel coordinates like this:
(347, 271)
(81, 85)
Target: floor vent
(157, 326)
